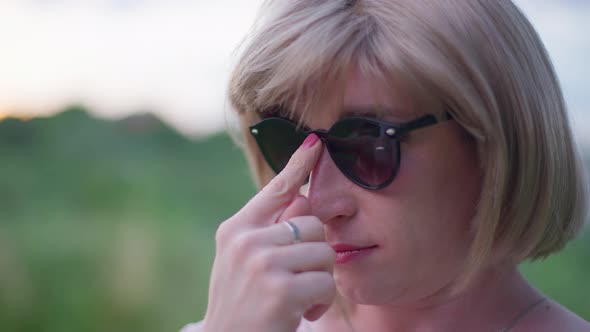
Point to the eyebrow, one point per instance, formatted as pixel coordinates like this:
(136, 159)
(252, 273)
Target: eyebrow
(364, 111)
(387, 113)
(371, 112)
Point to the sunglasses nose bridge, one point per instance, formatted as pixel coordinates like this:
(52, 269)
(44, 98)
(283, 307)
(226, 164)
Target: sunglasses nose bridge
(321, 133)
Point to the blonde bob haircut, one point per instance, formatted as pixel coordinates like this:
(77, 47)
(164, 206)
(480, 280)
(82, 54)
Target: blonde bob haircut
(481, 59)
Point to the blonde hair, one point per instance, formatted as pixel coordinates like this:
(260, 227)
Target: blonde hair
(480, 58)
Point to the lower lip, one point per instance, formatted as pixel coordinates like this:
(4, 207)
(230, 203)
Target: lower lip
(344, 257)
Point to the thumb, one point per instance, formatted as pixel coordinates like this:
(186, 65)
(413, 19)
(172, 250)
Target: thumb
(299, 206)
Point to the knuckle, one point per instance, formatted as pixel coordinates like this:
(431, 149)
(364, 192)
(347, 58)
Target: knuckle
(297, 161)
(331, 288)
(279, 297)
(316, 220)
(309, 220)
(311, 226)
(293, 316)
(326, 251)
(327, 281)
(223, 232)
(277, 187)
(325, 289)
(280, 288)
(243, 243)
(316, 223)
(262, 262)
(330, 282)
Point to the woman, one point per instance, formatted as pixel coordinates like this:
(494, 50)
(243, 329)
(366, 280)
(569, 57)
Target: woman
(438, 156)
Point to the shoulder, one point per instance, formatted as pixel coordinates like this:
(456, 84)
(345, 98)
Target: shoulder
(305, 326)
(552, 316)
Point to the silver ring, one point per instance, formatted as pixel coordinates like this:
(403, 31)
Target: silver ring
(294, 230)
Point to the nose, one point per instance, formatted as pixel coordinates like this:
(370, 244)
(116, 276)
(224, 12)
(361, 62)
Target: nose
(330, 193)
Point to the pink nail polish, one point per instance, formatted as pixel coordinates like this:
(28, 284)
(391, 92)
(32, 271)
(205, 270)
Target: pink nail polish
(310, 141)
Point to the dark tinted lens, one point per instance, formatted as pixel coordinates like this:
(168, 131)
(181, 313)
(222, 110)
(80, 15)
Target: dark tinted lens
(362, 153)
(278, 139)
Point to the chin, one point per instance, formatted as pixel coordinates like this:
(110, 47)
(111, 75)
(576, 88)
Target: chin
(367, 290)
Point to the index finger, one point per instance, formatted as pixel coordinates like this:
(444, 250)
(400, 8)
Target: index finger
(273, 199)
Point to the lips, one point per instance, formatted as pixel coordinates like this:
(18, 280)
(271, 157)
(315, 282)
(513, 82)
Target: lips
(346, 253)
(340, 247)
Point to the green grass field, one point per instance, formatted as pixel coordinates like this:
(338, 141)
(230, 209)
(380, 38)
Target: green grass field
(108, 226)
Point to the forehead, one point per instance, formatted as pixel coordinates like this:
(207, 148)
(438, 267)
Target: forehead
(360, 94)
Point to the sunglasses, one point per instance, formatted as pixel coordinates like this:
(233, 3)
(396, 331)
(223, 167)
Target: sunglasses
(366, 150)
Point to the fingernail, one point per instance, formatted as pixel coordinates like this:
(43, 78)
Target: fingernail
(310, 141)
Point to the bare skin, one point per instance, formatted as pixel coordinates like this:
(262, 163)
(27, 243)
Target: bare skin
(506, 297)
(419, 227)
(261, 279)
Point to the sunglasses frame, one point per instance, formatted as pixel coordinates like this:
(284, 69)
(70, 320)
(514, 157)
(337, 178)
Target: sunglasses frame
(391, 130)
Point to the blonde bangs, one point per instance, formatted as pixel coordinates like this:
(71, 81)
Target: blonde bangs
(301, 61)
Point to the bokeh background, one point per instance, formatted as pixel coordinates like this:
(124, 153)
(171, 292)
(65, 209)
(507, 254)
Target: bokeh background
(116, 167)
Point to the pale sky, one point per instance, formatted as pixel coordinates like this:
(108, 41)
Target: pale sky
(173, 57)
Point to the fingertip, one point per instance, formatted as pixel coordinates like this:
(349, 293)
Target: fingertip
(316, 312)
(285, 187)
(301, 164)
(310, 141)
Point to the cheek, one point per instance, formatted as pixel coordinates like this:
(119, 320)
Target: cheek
(425, 229)
(440, 183)
(432, 200)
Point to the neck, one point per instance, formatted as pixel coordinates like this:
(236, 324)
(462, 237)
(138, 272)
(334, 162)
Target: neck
(490, 304)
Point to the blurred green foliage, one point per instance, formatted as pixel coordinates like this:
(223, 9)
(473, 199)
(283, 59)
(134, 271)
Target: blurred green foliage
(109, 225)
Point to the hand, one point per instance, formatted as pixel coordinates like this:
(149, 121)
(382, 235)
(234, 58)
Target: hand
(261, 280)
